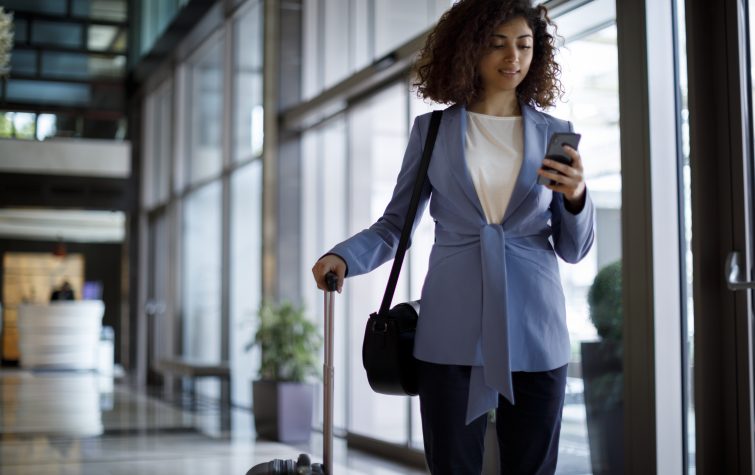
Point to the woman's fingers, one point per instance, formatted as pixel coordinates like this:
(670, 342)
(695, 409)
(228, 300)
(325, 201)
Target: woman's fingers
(329, 263)
(566, 179)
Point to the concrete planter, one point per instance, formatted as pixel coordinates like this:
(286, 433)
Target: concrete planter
(283, 410)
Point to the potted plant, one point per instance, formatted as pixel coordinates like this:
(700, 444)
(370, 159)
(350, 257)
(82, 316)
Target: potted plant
(602, 373)
(282, 397)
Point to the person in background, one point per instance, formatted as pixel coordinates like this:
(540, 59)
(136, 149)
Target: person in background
(64, 292)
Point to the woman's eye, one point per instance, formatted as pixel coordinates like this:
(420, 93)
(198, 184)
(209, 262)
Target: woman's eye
(525, 47)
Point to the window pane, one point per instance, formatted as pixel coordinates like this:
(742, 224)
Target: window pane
(46, 126)
(360, 35)
(201, 278)
(246, 284)
(248, 112)
(312, 53)
(69, 65)
(592, 421)
(689, 341)
(158, 130)
(379, 134)
(59, 34)
(249, 39)
(58, 125)
(112, 10)
(325, 181)
(19, 31)
(106, 38)
(155, 16)
(47, 92)
(162, 142)
(107, 66)
(23, 62)
(336, 35)
(82, 66)
(205, 101)
(6, 124)
(397, 21)
(24, 125)
(36, 6)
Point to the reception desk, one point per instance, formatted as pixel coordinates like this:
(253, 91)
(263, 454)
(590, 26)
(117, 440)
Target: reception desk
(60, 335)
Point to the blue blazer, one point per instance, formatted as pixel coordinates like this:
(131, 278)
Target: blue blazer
(492, 297)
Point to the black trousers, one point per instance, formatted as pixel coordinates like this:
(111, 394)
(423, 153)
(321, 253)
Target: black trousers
(528, 431)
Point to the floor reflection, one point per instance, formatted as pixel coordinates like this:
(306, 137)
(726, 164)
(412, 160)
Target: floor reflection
(65, 404)
(54, 423)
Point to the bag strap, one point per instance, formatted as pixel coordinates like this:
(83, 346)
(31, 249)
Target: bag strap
(419, 183)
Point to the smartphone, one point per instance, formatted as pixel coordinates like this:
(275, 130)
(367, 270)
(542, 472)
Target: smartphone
(556, 152)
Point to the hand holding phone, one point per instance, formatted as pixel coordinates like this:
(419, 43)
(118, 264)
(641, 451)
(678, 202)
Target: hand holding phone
(555, 151)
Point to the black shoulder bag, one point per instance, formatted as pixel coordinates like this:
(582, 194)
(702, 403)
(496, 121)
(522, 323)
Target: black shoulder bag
(387, 351)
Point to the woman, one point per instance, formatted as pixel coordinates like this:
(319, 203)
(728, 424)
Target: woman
(492, 330)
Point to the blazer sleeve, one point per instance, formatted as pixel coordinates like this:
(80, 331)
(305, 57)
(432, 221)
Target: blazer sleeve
(573, 233)
(377, 244)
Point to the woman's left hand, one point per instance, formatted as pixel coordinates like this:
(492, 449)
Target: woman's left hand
(569, 179)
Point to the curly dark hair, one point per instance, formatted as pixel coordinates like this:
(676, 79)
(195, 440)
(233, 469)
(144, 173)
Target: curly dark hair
(446, 69)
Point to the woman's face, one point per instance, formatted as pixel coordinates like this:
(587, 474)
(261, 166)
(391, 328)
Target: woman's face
(507, 60)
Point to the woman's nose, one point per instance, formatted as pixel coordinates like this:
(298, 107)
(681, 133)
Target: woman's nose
(511, 55)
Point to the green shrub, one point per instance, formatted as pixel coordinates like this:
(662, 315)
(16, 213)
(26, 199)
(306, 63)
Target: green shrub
(605, 302)
(289, 343)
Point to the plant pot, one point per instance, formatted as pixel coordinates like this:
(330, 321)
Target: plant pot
(283, 410)
(604, 405)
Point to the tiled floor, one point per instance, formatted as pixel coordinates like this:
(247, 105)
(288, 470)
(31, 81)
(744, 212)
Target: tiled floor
(55, 423)
(59, 423)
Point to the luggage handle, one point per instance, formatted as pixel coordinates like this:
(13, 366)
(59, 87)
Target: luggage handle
(331, 282)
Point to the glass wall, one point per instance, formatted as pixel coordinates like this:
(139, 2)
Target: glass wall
(593, 411)
(204, 100)
(216, 192)
(343, 36)
(379, 130)
(158, 135)
(325, 174)
(155, 17)
(248, 133)
(246, 247)
(202, 266)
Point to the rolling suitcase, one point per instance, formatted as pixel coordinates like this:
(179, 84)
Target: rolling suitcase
(302, 465)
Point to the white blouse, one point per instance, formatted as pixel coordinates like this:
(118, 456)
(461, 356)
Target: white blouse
(494, 152)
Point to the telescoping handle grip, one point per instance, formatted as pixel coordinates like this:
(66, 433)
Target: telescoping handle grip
(331, 282)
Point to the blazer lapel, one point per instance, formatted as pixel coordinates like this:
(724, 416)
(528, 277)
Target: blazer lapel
(455, 120)
(535, 131)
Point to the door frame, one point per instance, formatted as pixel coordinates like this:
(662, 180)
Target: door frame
(720, 152)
